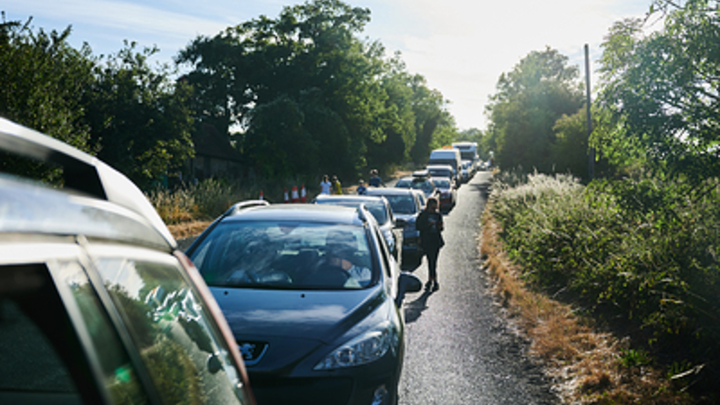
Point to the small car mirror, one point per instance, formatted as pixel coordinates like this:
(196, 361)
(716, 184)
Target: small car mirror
(400, 223)
(407, 283)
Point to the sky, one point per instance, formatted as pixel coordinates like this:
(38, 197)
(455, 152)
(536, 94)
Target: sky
(460, 46)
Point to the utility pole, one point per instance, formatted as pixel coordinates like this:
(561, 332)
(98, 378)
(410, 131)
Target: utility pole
(591, 152)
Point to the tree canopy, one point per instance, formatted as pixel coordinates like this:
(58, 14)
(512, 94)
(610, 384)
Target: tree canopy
(539, 90)
(663, 89)
(304, 94)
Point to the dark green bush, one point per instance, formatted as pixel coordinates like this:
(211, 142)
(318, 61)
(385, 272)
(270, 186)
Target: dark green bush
(636, 252)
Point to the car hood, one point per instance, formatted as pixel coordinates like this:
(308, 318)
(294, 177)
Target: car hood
(311, 314)
(294, 323)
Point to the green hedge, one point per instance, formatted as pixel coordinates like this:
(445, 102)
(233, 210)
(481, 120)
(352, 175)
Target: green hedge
(639, 253)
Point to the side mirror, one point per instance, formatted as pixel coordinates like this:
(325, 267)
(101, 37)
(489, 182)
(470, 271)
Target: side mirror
(400, 223)
(407, 283)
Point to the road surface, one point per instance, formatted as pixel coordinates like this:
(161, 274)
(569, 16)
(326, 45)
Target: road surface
(460, 347)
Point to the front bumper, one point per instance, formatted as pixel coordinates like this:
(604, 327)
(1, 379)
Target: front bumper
(332, 387)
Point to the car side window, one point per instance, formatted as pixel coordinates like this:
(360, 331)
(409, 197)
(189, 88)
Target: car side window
(41, 358)
(172, 329)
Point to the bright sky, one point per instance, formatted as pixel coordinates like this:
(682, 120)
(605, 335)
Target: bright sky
(460, 46)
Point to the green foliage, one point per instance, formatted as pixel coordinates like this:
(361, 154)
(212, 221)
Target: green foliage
(638, 250)
(571, 143)
(632, 358)
(539, 90)
(662, 89)
(42, 80)
(310, 97)
(139, 119)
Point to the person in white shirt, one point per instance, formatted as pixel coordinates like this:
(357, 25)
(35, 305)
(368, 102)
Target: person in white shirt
(325, 185)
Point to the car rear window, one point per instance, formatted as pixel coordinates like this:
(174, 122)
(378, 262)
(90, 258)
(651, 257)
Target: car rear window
(286, 255)
(441, 183)
(376, 209)
(402, 204)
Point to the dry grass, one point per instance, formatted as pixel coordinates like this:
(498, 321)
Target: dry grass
(582, 363)
(187, 229)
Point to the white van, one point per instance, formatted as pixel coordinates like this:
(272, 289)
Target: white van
(447, 156)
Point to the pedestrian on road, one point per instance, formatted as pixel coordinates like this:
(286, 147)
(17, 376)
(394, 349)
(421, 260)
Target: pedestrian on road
(430, 225)
(361, 189)
(375, 180)
(325, 185)
(336, 186)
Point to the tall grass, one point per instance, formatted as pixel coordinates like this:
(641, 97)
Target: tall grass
(640, 256)
(208, 199)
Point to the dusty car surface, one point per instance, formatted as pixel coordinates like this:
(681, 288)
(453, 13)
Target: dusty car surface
(96, 304)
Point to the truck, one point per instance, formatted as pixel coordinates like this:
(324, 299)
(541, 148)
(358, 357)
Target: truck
(448, 156)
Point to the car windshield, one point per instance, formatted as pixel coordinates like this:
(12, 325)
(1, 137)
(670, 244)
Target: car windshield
(403, 183)
(376, 209)
(286, 255)
(441, 173)
(441, 183)
(426, 186)
(416, 184)
(402, 204)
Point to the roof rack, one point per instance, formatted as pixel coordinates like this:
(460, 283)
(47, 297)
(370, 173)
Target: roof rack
(361, 212)
(81, 172)
(244, 204)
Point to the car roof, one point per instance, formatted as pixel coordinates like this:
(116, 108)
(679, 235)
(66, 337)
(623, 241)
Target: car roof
(438, 167)
(350, 198)
(389, 191)
(334, 214)
(89, 183)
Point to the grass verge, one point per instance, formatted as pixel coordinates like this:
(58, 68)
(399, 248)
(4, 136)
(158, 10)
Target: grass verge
(586, 366)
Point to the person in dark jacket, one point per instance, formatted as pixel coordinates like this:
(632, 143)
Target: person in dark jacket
(430, 225)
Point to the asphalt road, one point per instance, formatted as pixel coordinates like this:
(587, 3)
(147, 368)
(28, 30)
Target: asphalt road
(460, 347)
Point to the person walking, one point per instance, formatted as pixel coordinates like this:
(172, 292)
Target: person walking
(361, 189)
(430, 225)
(375, 180)
(336, 186)
(325, 185)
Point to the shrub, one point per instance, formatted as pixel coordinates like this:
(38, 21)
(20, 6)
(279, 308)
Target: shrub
(641, 251)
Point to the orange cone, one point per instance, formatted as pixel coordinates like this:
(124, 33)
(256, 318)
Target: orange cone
(261, 196)
(295, 197)
(287, 200)
(303, 194)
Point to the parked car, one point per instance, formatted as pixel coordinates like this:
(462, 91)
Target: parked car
(442, 171)
(313, 298)
(420, 180)
(406, 205)
(448, 193)
(96, 304)
(379, 207)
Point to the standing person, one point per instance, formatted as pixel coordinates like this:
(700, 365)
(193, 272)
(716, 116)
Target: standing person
(361, 189)
(375, 180)
(325, 185)
(430, 225)
(336, 186)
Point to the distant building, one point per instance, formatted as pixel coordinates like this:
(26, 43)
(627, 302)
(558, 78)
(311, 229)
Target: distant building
(214, 156)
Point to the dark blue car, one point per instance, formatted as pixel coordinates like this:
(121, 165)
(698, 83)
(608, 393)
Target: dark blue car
(313, 299)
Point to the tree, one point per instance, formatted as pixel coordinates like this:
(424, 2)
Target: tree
(529, 99)
(139, 119)
(663, 89)
(347, 105)
(42, 80)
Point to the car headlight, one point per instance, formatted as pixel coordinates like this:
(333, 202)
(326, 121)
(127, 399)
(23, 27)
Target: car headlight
(366, 348)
